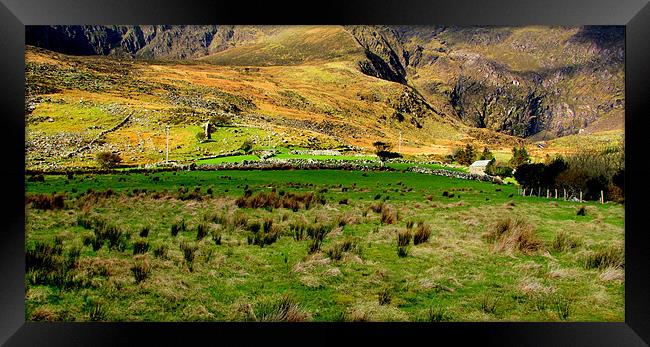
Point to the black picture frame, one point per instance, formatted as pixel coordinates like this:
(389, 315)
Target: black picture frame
(633, 14)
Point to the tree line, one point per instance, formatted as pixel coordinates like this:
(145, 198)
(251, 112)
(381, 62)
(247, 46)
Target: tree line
(588, 171)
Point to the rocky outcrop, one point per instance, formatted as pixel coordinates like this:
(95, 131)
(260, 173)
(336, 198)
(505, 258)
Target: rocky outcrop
(386, 58)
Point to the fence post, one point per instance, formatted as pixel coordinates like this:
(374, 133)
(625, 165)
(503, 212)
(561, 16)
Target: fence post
(602, 197)
(539, 191)
(556, 193)
(564, 193)
(581, 196)
(547, 193)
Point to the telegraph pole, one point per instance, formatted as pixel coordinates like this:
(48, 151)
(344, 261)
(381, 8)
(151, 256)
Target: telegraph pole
(167, 151)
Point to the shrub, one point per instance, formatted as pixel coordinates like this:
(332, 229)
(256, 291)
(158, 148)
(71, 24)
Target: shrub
(611, 256)
(140, 270)
(510, 235)
(107, 160)
(385, 296)
(422, 233)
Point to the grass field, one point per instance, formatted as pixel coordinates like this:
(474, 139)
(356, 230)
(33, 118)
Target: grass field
(331, 254)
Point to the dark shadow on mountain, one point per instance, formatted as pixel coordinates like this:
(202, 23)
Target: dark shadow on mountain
(604, 36)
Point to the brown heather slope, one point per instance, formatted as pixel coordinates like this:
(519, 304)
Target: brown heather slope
(321, 86)
(71, 100)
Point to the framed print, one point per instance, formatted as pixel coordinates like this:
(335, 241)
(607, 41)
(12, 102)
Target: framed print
(374, 170)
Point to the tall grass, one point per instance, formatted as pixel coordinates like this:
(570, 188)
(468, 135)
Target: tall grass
(513, 235)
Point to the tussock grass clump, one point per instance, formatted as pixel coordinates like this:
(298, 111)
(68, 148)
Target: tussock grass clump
(201, 231)
(47, 265)
(160, 251)
(263, 233)
(284, 309)
(45, 201)
(178, 225)
(422, 233)
(410, 224)
(314, 246)
(240, 220)
(216, 237)
(113, 235)
(563, 307)
(488, 304)
(388, 215)
(140, 247)
(97, 313)
(299, 229)
(437, 314)
(564, 242)
(403, 241)
(581, 211)
(336, 251)
(293, 201)
(42, 257)
(144, 232)
(189, 252)
(611, 256)
(318, 231)
(404, 238)
(510, 235)
(141, 270)
(385, 296)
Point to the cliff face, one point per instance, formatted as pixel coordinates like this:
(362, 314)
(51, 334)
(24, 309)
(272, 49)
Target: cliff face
(539, 82)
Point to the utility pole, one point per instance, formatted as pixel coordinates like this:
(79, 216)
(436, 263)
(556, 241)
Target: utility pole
(167, 151)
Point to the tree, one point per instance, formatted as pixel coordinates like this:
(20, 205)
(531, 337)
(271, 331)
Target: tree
(530, 175)
(519, 156)
(382, 149)
(382, 146)
(465, 156)
(107, 160)
(486, 155)
(247, 146)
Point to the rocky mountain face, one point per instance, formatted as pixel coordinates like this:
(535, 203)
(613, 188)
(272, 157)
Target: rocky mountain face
(143, 41)
(536, 82)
